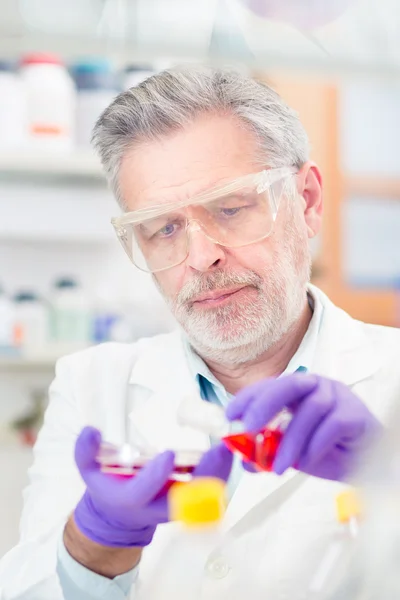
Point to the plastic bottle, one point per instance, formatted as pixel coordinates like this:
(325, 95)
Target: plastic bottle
(31, 317)
(7, 318)
(51, 102)
(197, 507)
(12, 108)
(97, 86)
(373, 572)
(135, 74)
(71, 313)
(339, 554)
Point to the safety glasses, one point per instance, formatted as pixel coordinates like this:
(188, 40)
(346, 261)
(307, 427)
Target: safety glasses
(233, 215)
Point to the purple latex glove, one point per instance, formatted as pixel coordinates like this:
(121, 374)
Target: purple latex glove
(329, 429)
(124, 512)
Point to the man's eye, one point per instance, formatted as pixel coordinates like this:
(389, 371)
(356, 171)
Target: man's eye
(231, 212)
(167, 231)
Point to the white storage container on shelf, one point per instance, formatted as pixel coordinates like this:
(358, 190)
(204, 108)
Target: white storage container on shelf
(51, 103)
(97, 86)
(32, 322)
(12, 108)
(71, 314)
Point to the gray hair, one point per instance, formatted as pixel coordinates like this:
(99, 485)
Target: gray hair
(172, 99)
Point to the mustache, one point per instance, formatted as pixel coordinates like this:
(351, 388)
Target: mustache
(214, 281)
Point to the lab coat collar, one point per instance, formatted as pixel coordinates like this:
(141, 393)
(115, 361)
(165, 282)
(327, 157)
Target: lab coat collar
(163, 367)
(344, 352)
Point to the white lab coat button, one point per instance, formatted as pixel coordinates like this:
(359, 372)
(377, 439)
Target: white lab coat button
(217, 568)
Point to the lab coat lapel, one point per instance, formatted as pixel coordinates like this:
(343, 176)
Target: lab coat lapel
(344, 352)
(256, 489)
(159, 381)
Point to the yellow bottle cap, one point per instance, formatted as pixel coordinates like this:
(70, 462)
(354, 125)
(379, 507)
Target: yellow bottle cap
(201, 501)
(348, 506)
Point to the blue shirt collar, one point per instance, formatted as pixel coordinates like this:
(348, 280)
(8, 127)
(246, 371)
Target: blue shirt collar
(301, 361)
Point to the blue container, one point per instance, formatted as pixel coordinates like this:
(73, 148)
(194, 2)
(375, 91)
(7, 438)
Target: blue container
(95, 74)
(7, 66)
(97, 85)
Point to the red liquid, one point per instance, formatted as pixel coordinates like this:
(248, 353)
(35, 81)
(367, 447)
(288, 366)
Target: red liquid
(133, 470)
(181, 470)
(257, 448)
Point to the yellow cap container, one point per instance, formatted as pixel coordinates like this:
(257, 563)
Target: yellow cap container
(201, 501)
(348, 506)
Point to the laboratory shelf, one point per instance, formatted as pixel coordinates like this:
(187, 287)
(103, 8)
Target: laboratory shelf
(75, 164)
(18, 364)
(41, 362)
(63, 199)
(103, 238)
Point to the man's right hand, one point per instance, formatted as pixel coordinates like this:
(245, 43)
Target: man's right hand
(119, 513)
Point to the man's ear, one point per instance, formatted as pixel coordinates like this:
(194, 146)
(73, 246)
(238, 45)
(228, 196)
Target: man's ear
(309, 186)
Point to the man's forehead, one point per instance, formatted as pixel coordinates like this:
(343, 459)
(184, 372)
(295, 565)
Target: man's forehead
(175, 168)
(157, 194)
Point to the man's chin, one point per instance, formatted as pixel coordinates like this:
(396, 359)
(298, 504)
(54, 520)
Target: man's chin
(224, 338)
(232, 352)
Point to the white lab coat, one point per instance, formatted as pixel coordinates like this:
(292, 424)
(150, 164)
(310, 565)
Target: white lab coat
(275, 528)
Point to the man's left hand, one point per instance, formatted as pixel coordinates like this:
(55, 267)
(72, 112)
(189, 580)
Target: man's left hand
(330, 426)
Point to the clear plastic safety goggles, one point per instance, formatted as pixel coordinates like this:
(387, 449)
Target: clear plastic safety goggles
(233, 215)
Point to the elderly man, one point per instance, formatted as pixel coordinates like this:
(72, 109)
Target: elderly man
(219, 202)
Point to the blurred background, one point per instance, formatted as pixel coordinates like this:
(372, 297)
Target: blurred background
(64, 282)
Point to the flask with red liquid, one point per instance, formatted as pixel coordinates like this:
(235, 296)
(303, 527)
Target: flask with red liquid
(126, 461)
(257, 448)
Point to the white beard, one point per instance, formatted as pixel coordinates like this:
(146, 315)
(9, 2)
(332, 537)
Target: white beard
(235, 334)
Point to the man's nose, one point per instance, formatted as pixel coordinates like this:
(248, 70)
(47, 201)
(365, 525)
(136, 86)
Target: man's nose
(203, 252)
